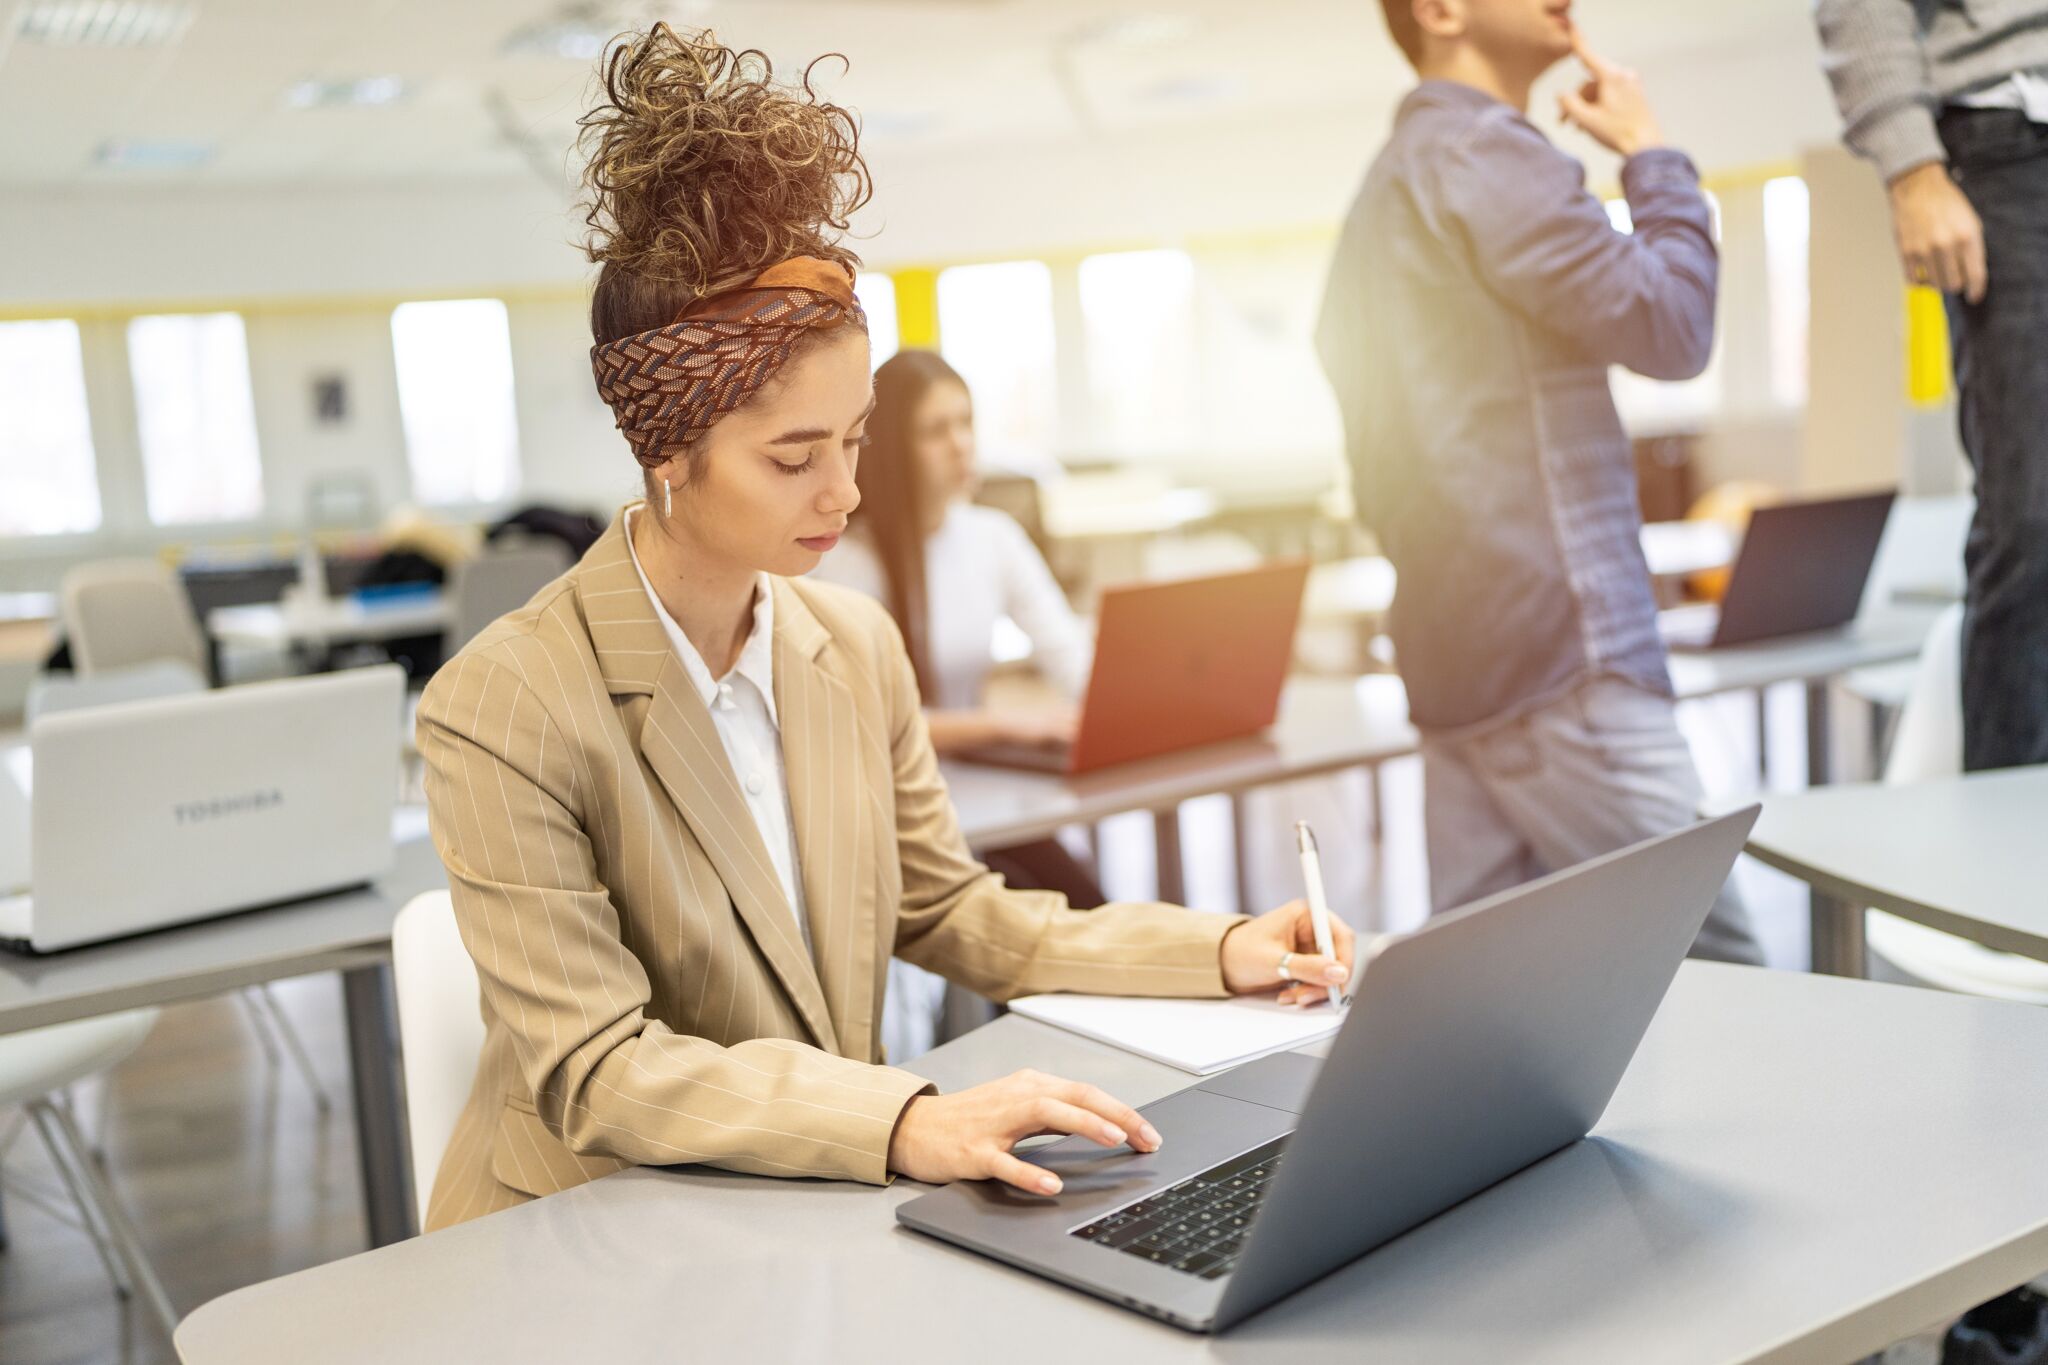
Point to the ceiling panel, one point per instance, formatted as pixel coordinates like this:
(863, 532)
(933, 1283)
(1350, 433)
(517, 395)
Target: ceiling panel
(924, 73)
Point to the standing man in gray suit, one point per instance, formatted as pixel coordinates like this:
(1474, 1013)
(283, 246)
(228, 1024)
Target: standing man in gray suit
(1949, 98)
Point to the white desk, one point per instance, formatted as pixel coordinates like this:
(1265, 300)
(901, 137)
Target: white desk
(1795, 1169)
(1349, 590)
(1815, 660)
(330, 621)
(1325, 725)
(1966, 855)
(1674, 549)
(349, 933)
(28, 606)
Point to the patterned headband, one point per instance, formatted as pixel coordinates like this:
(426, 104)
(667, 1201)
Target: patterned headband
(668, 386)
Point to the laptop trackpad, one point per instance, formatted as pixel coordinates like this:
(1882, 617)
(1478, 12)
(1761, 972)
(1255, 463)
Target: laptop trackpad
(1281, 1081)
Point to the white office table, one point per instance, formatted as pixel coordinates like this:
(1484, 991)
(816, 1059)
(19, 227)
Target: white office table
(1795, 1169)
(1815, 660)
(329, 621)
(349, 933)
(1966, 855)
(1673, 549)
(1325, 725)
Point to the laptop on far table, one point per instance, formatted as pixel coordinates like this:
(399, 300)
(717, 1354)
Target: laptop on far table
(1191, 662)
(147, 814)
(1801, 568)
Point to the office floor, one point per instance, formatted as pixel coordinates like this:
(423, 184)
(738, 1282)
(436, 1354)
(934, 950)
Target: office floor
(235, 1177)
(232, 1174)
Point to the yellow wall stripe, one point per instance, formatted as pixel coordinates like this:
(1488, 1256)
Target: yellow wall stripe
(1928, 369)
(917, 308)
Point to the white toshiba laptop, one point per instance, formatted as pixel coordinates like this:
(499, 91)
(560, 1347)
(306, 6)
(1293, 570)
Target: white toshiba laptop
(152, 813)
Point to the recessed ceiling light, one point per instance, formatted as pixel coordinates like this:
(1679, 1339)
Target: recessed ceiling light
(1207, 89)
(903, 123)
(568, 39)
(103, 23)
(363, 90)
(153, 154)
(1142, 30)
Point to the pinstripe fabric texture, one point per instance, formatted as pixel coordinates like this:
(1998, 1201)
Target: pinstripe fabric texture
(646, 996)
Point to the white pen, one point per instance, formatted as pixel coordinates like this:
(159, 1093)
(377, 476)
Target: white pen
(1318, 903)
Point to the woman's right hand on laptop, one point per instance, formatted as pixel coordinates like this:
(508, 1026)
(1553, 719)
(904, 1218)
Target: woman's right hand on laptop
(968, 1135)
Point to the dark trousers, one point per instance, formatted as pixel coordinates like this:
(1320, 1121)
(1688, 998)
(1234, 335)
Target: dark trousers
(2001, 354)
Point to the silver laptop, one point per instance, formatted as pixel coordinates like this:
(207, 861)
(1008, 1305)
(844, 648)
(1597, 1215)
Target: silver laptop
(152, 813)
(1474, 1047)
(1802, 567)
(16, 767)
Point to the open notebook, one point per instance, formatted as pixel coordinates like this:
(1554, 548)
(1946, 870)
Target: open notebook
(1198, 1036)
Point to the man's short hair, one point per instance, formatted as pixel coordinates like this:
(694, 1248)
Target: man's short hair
(1401, 23)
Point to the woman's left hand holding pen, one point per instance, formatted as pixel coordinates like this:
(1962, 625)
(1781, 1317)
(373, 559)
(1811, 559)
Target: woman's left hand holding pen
(1277, 951)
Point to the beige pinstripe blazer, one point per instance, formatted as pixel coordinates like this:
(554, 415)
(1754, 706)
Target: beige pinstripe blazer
(647, 998)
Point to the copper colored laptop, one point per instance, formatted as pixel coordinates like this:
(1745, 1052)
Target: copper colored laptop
(1179, 664)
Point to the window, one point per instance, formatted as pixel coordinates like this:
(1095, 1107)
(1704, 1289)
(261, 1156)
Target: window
(1787, 229)
(454, 363)
(996, 329)
(877, 295)
(1624, 221)
(48, 483)
(1138, 309)
(196, 418)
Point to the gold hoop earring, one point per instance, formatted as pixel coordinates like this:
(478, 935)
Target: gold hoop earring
(668, 499)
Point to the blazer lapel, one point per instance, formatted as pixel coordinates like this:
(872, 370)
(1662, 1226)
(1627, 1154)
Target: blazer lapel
(680, 742)
(832, 810)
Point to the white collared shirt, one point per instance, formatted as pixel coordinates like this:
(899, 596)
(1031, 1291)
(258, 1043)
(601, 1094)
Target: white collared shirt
(742, 706)
(2026, 91)
(979, 568)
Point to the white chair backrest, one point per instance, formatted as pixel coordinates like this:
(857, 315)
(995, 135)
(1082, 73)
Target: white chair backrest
(485, 587)
(1921, 550)
(121, 612)
(54, 692)
(440, 1030)
(1929, 741)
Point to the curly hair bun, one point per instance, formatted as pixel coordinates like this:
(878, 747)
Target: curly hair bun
(702, 171)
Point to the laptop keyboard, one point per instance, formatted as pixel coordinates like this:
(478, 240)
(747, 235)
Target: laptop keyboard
(1197, 1226)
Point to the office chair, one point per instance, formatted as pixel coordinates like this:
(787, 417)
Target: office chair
(1929, 745)
(51, 693)
(35, 1067)
(501, 579)
(122, 612)
(440, 1029)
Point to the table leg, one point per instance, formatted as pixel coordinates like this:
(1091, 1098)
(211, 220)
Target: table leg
(1241, 853)
(380, 1120)
(1166, 842)
(1819, 735)
(1763, 736)
(1838, 948)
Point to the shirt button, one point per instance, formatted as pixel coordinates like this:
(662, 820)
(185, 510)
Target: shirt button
(755, 784)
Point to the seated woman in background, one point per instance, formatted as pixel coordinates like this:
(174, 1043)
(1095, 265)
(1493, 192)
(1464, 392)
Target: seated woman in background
(947, 569)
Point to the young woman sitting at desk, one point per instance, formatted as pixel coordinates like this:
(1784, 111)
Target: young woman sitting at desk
(948, 570)
(687, 801)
